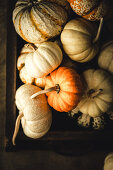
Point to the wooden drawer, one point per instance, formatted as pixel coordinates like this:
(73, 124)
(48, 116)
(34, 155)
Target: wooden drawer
(64, 136)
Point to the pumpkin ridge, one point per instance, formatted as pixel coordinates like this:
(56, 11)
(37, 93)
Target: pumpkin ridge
(57, 22)
(21, 33)
(81, 54)
(85, 58)
(96, 106)
(66, 103)
(43, 33)
(43, 118)
(46, 58)
(106, 77)
(54, 54)
(36, 64)
(104, 100)
(38, 133)
(86, 34)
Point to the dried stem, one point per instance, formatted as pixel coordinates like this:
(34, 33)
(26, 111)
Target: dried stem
(99, 31)
(17, 124)
(93, 93)
(55, 88)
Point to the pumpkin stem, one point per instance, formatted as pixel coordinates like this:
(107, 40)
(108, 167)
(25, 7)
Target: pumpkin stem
(99, 31)
(56, 88)
(93, 93)
(17, 124)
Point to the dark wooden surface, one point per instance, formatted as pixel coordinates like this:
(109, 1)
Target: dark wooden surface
(59, 153)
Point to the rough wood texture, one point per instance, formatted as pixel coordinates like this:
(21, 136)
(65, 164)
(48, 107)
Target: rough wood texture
(2, 71)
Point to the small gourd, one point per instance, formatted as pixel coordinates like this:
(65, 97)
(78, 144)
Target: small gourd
(35, 114)
(46, 57)
(90, 9)
(86, 121)
(80, 39)
(24, 76)
(63, 88)
(108, 162)
(105, 58)
(37, 21)
(98, 93)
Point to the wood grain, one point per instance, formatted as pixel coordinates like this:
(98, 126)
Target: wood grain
(3, 32)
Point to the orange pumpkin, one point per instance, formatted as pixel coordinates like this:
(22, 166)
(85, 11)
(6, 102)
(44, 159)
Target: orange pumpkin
(63, 88)
(90, 9)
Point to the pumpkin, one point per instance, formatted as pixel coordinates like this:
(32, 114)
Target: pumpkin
(37, 21)
(91, 10)
(47, 57)
(35, 114)
(105, 58)
(108, 162)
(98, 93)
(24, 76)
(79, 39)
(63, 88)
(40, 82)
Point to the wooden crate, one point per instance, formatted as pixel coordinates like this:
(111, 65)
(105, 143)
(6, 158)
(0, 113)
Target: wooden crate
(64, 136)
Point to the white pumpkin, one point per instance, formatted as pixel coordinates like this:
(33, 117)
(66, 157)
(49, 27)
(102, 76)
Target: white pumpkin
(35, 114)
(80, 39)
(46, 58)
(98, 93)
(24, 76)
(105, 58)
(37, 21)
(108, 162)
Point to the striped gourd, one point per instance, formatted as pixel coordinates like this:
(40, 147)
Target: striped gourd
(38, 20)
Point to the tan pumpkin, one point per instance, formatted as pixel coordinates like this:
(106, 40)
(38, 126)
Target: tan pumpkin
(46, 57)
(98, 94)
(90, 9)
(24, 76)
(108, 162)
(35, 114)
(37, 21)
(63, 88)
(105, 58)
(80, 39)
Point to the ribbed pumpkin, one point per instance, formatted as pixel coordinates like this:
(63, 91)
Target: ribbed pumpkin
(90, 9)
(63, 88)
(35, 114)
(46, 57)
(98, 93)
(24, 76)
(108, 162)
(80, 39)
(105, 58)
(38, 20)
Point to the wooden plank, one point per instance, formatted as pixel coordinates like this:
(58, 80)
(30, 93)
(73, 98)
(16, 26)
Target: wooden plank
(3, 32)
(10, 72)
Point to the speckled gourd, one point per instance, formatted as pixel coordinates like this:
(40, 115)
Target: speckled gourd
(37, 21)
(35, 114)
(90, 9)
